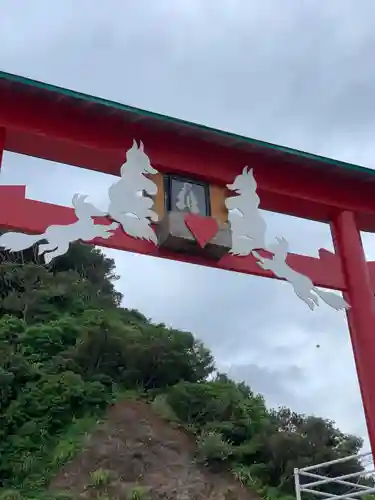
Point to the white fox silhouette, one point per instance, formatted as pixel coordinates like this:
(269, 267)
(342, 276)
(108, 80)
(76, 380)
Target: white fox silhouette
(128, 204)
(302, 285)
(248, 228)
(59, 237)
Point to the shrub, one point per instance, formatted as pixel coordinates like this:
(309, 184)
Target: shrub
(242, 474)
(163, 409)
(212, 448)
(10, 494)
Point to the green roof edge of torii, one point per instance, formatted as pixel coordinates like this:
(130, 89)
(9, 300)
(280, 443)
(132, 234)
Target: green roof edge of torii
(183, 123)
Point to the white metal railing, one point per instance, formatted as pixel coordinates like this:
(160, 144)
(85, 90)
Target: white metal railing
(355, 490)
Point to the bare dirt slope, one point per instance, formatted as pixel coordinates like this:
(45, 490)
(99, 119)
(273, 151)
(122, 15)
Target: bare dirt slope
(141, 449)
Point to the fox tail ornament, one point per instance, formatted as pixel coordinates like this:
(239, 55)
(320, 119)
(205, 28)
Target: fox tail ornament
(15, 242)
(331, 299)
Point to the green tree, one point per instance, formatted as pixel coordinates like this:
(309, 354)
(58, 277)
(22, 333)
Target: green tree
(93, 267)
(295, 440)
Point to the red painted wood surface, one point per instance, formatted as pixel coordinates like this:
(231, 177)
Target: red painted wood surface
(20, 214)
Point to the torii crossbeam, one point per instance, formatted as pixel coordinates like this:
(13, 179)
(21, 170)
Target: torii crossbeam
(68, 127)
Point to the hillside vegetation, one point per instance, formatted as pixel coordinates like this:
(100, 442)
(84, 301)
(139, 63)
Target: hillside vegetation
(98, 402)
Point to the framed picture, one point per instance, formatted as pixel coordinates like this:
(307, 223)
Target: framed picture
(185, 195)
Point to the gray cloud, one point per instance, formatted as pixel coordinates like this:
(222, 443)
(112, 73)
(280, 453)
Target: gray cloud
(296, 73)
(278, 386)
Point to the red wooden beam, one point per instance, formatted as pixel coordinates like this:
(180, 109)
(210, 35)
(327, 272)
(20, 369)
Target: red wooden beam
(67, 133)
(18, 213)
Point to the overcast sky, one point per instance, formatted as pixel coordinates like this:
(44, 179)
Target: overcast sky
(297, 73)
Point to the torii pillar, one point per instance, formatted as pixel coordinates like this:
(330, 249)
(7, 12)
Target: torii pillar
(361, 318)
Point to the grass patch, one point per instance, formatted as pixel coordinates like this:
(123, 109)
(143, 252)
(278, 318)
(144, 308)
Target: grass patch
(47, 461)
(70, 443)
(163, 409)
(137, 493)
(100, 478)
(14, 494)
(10, 494)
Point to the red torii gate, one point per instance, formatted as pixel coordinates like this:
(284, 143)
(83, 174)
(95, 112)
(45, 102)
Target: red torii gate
(64, 126)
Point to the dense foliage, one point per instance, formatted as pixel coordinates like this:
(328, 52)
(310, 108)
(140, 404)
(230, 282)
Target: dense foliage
(67, 350)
